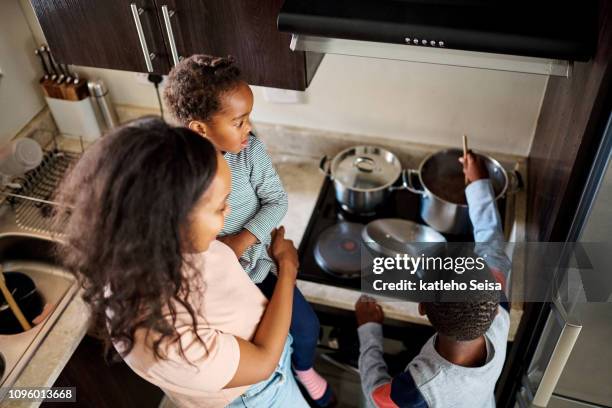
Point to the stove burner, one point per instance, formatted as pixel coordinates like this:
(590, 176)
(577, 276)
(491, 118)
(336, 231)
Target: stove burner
(337, 251)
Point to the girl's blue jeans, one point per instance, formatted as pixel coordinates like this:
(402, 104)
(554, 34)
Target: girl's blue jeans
(280, 390)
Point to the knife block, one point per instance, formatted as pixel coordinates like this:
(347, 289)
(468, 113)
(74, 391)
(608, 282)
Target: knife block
(75, 119)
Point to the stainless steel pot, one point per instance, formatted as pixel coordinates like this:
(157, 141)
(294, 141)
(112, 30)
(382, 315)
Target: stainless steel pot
(441, 177)
(363, 177)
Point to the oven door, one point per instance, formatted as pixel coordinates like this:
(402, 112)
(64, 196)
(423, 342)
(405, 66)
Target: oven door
(556, 343)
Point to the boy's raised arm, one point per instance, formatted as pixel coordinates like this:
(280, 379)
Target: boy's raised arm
(488, 235)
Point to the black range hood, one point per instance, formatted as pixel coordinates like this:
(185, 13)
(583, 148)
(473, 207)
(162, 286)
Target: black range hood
(545, 29)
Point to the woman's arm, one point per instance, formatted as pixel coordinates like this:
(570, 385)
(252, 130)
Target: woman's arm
(259, 357)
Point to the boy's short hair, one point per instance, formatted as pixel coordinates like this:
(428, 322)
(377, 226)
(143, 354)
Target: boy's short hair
(463, 321)
(467, 315)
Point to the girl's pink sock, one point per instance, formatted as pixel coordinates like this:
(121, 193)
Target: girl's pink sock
(313, 382)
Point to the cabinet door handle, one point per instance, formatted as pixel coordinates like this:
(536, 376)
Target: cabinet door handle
(167, 14)
(148, 56)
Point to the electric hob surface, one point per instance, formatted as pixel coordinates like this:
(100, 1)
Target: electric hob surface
(336, 228)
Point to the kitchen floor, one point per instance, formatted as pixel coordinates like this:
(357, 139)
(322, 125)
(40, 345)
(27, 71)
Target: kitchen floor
(346, 384)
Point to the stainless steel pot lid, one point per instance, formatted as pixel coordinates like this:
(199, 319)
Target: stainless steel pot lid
(365, 168)
(393, 236)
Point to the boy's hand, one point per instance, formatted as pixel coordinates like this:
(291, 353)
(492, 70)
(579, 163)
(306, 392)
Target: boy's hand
(367, 310)
(473, 167)
(239, 242)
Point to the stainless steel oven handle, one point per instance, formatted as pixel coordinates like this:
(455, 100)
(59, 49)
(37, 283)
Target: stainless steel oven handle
(148, 56)
(558, 358)
(167, 14)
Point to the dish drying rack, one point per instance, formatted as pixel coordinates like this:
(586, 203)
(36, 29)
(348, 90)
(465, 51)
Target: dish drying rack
(31, 195)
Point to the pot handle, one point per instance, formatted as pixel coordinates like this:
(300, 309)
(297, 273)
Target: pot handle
(408, 181)
(404, 185)
(516, 182)
(324, 166)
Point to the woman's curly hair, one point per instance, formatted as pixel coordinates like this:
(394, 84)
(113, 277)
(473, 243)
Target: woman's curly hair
(127, 206)
(195, 85)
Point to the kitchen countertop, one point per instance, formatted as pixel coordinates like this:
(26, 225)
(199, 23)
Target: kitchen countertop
(54, 352)
(302, 180)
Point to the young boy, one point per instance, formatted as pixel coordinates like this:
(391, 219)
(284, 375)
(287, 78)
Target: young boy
(460, 364)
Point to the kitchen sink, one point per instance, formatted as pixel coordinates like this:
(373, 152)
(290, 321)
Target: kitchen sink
(2, 365)
(33, 255)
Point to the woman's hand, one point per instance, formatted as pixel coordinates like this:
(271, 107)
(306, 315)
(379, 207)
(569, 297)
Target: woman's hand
(473, 167)
(284, 253)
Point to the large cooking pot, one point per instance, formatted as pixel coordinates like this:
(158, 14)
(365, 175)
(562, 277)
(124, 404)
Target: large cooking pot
(363, 177)
(443, 202)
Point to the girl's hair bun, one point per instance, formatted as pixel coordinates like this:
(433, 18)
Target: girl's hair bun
(209, 61)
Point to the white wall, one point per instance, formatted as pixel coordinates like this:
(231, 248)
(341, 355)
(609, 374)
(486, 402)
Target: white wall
(414, 102)
(423, 103)
(20, 95)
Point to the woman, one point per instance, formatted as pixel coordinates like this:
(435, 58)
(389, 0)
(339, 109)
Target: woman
(147, 203)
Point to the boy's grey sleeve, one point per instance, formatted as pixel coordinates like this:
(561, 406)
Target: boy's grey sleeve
(488, 235)
(372, 366)
(270, 191)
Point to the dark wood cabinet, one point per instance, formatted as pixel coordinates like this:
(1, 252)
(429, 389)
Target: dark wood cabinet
(102, 33)
(105, 34)
(103, 384)
(245, 29)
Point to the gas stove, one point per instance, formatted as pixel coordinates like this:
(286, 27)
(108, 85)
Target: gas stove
(339, 231)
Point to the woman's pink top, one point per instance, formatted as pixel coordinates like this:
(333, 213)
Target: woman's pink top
(228, 305)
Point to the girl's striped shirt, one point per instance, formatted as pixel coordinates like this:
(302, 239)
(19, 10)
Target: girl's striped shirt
(258, 203)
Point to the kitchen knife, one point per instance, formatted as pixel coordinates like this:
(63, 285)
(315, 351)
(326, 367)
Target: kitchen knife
(66, 73)
(52, 69)
(61, 81)
(46, 78)
(53, 88)
(76, 89)
(43, 63)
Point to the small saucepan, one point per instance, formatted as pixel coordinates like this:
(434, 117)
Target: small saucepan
(363, 177)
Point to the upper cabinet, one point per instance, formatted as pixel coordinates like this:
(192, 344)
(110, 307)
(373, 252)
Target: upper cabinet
(104, 33)
(151, 35)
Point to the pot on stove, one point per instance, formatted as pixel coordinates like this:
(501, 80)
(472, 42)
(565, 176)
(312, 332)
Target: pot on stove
(443, 202)
(363, 177)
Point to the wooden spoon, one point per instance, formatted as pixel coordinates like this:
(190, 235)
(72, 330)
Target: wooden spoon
(12, 304)
(465, 151)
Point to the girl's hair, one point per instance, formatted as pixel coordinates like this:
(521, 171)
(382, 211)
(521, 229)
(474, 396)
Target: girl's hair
(130, 197)
(195, 85)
